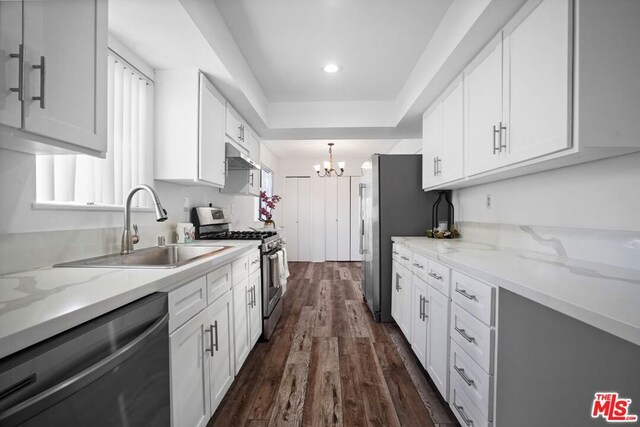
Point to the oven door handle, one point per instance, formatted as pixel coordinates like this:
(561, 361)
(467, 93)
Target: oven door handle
(67, 387)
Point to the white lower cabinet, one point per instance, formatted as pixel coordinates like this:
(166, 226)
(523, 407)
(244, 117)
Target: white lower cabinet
(255, 308)
(454, 340)
(437, 355)
(419, 319)
(190, 388)
(220, 350)
(402, 293)
(213, 327)
(241, 299)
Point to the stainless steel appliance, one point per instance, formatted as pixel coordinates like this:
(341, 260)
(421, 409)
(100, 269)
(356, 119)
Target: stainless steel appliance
(113, 370)
(392, 204)
(213, 224)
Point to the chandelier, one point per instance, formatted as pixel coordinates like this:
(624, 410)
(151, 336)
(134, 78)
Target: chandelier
(328, 165)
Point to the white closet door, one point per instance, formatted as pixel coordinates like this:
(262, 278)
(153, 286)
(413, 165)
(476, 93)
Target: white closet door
(355, 219)
(331, 218)
(304, 219)
(290, 200)
(343, 235)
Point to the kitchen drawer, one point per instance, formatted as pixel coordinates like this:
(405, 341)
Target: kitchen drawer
(187, 301)
(474, 296)
(240, 269)
(395, 252)
(438, 277)
(462, 405)
(218, 282)
(254, 261)
(477, 384)
(405, 256)
(420, 265)
(476, 338)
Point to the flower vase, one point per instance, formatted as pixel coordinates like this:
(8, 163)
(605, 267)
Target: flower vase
(268, 223)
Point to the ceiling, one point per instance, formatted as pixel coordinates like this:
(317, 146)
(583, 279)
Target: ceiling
(288, 42)
(266, 58)
(318, 149)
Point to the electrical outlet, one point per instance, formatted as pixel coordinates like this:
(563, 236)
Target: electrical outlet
(488, 202)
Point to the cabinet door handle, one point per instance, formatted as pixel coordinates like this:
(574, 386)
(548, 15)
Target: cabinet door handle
(495, 131)
(43, 73)
(421, 315)
(464, 376)
(254, 296)
(464, 334)
(226, 167)
(20, 57)
(251, 179)
(210, 330)
(460, 410)
(435, 167)
(250, 298)
(424, 310)
(214, 327)
(398, 277)
(503, 144)
(464, 293)
(438, 164)
(435, 276)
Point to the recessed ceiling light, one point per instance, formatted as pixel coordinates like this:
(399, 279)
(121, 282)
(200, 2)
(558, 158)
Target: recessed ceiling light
(332, 68)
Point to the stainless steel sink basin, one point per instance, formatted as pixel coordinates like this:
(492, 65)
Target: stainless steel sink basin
(157, 257)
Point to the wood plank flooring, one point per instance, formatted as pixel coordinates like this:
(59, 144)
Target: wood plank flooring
(329, 364)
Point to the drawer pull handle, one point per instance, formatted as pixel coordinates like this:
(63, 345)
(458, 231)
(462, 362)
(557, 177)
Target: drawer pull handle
(435, 276)
(396, 252)
(465, 294)
(255, 261)
(460, 410)
(415, 264)
(464, 376)
(464, 334)
(404, 258)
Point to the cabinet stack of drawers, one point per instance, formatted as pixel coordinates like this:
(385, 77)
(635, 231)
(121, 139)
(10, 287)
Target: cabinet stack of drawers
(472, 332)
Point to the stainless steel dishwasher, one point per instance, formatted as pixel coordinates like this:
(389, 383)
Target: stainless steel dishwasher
(110, 371)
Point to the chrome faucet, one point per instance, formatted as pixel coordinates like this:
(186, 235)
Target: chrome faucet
(128, 240)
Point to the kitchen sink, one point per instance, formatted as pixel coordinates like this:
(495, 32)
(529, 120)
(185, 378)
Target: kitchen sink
(170, 256)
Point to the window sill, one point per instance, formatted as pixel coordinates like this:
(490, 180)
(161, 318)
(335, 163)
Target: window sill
(58, 206)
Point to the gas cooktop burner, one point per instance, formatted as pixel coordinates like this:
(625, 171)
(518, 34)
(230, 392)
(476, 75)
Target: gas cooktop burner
(243, 235)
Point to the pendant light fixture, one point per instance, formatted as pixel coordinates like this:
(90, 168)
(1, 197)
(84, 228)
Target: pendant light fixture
(329, 170)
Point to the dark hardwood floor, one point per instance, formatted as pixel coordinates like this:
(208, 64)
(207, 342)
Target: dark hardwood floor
(329, 363)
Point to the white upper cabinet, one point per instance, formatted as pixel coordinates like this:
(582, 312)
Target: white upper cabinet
(442, 130)
(189, 129)
(63, 85)
(537, 63)
(235, 128)
(517, 97)
(431, 145)
(211, 155)
(11, 48)
(450, 167)
(484, 111)
(253, 144)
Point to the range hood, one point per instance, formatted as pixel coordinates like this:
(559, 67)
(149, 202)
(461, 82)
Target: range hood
(236, 159)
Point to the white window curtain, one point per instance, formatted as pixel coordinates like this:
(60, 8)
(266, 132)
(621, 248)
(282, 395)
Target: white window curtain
(87, 180)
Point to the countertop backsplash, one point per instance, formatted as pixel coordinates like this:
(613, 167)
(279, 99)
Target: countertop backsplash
(618, 248)
(25, 251)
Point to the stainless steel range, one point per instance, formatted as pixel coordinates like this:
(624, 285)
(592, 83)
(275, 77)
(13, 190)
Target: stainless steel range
(213, 224)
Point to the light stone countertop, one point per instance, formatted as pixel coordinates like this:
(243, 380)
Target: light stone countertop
(38, 304)
(606, 297)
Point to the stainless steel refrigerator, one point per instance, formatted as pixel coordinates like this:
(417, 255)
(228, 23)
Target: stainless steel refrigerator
(392, 204)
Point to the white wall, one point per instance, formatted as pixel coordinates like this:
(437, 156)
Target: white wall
(407, 146)
(304, 167)
(604, 194)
